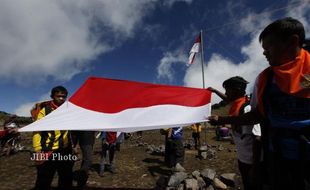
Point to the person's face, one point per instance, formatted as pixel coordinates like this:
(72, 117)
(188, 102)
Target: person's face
(59, 98)
(232, 94)
(274, 50)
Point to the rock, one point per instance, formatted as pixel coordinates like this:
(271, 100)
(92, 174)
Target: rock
(203, 148)
(219, 184)
(176, 179)
(202, 152)
(211, 154)
(208, 173)
(196, 174)
(181, 187)
(210, 187)
(179, 168)
(191, 184)
(150, 148)
(203, 155)
(229, 179)
(220, 147)
(201, 183)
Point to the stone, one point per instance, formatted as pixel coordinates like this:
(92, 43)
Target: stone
(202, 152)
(196, 174)
(211, 154)
(191, 184)
(201, 183)
(220, 147)
(179, 168)
(208, 173)
(181, 187)
(218, 184)
(176, 179)
(229, 179)
(203, 155)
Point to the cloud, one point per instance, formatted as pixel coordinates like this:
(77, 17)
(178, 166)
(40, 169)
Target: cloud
(219, 68)
(24, 109)
(169, 3)
(302, 13)
(57, 39)
(165, 68)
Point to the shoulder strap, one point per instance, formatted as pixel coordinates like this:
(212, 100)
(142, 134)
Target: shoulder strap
(48, 109)
(241, 111)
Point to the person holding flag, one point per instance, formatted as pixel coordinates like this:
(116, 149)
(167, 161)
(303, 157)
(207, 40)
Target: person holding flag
(283, 106)
(51, 146)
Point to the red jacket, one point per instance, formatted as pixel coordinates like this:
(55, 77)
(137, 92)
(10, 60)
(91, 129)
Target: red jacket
(3, 133)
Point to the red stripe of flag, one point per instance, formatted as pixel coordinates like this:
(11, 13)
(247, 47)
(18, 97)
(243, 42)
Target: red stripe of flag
(112, 96)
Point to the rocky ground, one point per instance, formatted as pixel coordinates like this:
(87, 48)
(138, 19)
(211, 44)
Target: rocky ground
(137, 166)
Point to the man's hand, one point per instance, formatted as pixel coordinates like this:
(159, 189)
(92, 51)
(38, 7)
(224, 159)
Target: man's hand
(216, 120)
(75, 150)
(211, 89)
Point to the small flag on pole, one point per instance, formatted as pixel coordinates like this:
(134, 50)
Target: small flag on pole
(195, 49)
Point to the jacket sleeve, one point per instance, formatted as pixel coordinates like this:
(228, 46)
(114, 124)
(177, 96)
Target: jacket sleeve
(2, 133)
(103, 135)
(36, 138)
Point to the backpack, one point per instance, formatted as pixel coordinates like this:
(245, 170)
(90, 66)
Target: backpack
(37, 107)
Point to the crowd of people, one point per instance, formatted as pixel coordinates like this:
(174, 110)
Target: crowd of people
(270, 128)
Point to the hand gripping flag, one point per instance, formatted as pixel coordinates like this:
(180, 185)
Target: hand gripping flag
(125, 106)
(195, 49)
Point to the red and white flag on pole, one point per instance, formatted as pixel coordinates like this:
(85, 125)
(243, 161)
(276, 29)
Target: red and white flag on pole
(195, 49)
(125, 106)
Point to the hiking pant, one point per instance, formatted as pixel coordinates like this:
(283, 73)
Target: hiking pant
(87, 152)
(196, 137)
(107, 154)
(289, 174)
(176, 152)
(247, 175)
(47, 170)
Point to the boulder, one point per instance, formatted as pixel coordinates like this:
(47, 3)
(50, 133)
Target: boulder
(218, 184)
(191, 184)
(176, 179)
(229, 179)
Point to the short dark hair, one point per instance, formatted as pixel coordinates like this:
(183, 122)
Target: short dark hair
(284, 28)
(235, 82)
(57, 89)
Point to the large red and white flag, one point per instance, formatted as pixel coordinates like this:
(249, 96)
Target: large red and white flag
(126, 106)
(195, 49)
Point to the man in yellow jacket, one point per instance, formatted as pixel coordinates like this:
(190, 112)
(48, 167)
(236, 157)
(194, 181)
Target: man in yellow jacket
(196, 130)
(53, 151)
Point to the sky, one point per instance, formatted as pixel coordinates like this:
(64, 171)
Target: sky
(48, 43)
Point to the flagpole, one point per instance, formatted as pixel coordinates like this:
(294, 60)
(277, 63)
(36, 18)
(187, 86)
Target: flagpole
(203, 76)
(202, 60)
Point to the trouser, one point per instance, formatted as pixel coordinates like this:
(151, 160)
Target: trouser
(196, 137)
(87, 152)
(107, 154)
(247, 175)
(176, 154)
(167, 151)
(47, 170)
(289, 174)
